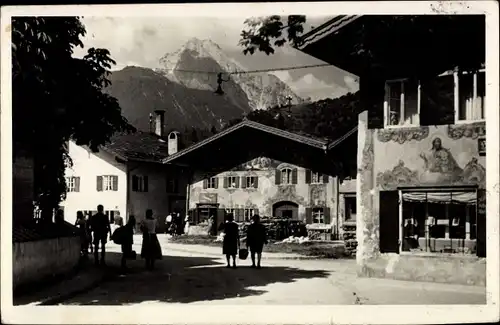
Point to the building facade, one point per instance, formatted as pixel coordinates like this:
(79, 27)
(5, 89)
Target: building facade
(127, 177)
(420, 188)
(269, 188)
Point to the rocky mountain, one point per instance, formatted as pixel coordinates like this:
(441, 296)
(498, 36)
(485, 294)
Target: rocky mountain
(196, 64)
(184, 87)
(140, 91)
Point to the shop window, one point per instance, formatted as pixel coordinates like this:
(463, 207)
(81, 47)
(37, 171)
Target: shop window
(439, 222)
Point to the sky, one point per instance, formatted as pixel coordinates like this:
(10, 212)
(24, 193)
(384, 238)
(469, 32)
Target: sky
(142, 41)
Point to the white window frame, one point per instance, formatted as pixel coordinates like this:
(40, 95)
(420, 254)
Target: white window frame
(71, 183)
(286, 176)
(250, 181)
(402, 104)
(232, 211)
(249, 213)
(318, 213)
(319, 178)
(456, 76)
(211, 183)
(456, 80)
(107, 183)
(230, 183)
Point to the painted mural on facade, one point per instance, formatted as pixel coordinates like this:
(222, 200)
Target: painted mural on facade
(446, 156)
(259, 163)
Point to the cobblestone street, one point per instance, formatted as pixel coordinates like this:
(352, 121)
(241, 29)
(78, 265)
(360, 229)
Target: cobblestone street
(188, 277)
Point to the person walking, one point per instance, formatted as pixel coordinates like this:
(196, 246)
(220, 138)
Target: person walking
(81, 224)
(89, 233)
(168, 223)
(186, 225)
(231, 241)
(100, 227)
(127, 241)
(151, 249)
(256, 239)
(211, 224)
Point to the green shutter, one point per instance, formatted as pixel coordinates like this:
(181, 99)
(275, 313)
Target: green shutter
(326, 214)
(294, 176)
(216, 182)
(99, 184)
(237, 182)
(115, 183)
(77, 184)
(225, 182)
(308, 216)
(308, 176)
(205, 183)
(243, 181)
(277, 176)
(256, 183)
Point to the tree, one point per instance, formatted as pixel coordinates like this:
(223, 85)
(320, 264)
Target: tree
(433, 43)
(57, 98)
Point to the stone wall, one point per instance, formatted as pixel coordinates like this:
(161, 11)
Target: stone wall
(36, 260)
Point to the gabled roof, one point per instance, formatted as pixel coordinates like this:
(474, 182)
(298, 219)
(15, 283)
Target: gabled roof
(138, 146)
(331, 26)
(308, 140)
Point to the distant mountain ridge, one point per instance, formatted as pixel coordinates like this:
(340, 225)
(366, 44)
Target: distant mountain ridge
(184, 87)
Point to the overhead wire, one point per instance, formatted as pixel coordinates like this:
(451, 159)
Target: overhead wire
(253, 71)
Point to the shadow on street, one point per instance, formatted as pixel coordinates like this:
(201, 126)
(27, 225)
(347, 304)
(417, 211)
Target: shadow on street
(179, 279)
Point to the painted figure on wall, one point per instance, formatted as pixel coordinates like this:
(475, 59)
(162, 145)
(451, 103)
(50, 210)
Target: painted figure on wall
(439, 163)
(259, 163)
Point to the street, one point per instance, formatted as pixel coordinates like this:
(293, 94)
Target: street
(184, 277)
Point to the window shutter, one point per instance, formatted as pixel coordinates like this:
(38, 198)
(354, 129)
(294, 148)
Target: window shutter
(216, 182)
(277, 176)
(99, 183)
(225, 182)
(205, 183)
(146, 183)
(135, 183)
(326, 214)
(256, 182)
(241, 214)
(237, 179)
(325, 178)
(481, 223)
(308, 176)
(294, 176)
(77, 184)
(389, 221)
(308, 216)
(243, 182)
(115, 183)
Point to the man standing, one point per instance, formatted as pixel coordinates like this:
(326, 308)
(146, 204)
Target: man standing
(100, 227)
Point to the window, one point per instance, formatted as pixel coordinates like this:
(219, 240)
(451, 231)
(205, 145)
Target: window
(212, 182)
(471, 90)
(231, 211)
(139, 183)
(232, 182)
(107, 183)
(249, 213)
(402, 103)
(73, 184)
(251, 182)
(350, 208)
(172, 185)
(450, 97)
(443, 222)
(316, 178)
(286, 176)
(318, 216)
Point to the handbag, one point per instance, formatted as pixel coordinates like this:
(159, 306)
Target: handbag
(117, 236)
(243, 254)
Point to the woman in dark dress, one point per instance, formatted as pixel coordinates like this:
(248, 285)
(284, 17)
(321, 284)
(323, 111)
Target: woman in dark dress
(231, 242)
(151, 249)
(81, 223)
(256, 238)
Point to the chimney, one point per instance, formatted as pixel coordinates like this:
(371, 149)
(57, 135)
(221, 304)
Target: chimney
(159, 121)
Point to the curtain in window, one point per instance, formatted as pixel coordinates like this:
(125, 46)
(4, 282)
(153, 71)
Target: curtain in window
(441, 197)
